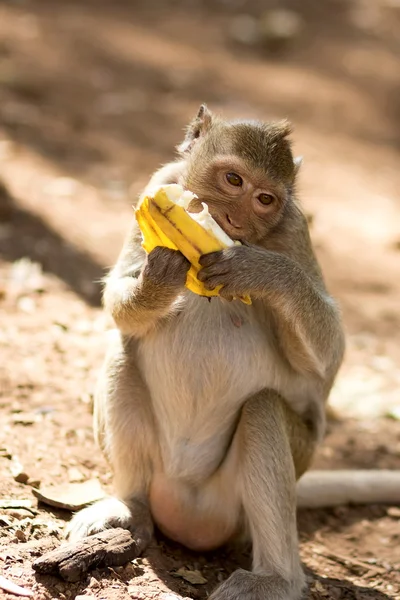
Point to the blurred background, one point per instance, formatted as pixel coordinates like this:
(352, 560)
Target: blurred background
(95, 95)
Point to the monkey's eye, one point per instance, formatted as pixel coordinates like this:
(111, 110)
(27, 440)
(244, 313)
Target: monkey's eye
(266, 199)
(234, 179)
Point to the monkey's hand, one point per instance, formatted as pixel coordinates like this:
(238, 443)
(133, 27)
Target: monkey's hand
(241, 270)
(137, 300)
(165, 268)
(308, 320)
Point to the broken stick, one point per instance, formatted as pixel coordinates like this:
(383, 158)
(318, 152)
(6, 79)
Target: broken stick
(113, 547)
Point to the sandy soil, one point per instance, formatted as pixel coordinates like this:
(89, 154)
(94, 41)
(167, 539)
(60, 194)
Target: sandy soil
(93, 97)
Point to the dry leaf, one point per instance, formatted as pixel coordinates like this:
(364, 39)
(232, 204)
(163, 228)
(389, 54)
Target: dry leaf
(7, 503)
(194, 577)
(13, 588)
(71, 496)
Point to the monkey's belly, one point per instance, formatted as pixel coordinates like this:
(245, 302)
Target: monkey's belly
(183, 515)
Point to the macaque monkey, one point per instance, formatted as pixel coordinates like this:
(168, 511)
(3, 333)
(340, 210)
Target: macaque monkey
(210, 410)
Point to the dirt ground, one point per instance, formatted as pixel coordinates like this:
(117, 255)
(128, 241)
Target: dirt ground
(93, 97)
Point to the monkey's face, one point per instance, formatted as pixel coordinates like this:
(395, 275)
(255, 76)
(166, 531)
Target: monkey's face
(243, 200)
(245, 173)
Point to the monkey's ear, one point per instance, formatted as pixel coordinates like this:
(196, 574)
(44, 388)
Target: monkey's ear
(196, 128)
(298, 161)
(282, 129)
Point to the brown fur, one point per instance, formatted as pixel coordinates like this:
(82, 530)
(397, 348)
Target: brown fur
(209, 411)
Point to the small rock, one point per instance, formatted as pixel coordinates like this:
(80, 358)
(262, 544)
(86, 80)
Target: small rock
(20, 535)
(394, 512)
(75, 475)
(35, 483)
(18, 473)
(93, 583)
(20, 513)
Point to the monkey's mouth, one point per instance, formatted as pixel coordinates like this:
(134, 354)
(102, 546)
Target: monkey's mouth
(229, 230)
(196, 206)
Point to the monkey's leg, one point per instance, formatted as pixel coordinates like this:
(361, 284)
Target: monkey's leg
(124, 429)
(275, 446)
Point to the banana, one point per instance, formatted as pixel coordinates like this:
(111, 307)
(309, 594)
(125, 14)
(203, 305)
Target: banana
(164, 220)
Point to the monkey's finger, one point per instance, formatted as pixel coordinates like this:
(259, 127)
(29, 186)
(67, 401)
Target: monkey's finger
(207, 260)
(226, 295)
(217, 270)
(212, 282)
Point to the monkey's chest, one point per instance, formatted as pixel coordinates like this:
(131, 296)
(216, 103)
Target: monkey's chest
(199, 369)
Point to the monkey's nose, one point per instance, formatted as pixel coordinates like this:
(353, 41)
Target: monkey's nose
(231, 222)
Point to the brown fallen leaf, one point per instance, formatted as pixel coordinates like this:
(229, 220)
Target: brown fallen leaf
(13, 588)
(193, 577)
(70, 496)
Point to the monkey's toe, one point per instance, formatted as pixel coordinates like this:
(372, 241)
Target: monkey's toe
(105, 514)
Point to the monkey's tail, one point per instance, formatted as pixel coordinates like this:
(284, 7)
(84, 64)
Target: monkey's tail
(323, 489)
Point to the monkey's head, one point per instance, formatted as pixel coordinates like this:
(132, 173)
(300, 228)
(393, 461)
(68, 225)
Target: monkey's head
(243, 170)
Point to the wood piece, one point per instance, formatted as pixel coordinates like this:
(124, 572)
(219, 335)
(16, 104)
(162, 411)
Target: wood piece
(71, 496)
(71, 561)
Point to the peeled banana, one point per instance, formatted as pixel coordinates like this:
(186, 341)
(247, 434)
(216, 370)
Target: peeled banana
(164, 220)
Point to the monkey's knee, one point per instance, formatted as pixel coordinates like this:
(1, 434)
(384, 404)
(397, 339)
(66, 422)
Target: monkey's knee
(110, 514)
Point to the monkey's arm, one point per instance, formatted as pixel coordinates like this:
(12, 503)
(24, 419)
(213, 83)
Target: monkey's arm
(307, 319)
(139, 291)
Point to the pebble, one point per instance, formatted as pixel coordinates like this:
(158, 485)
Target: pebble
(20, 535)
(18, 473)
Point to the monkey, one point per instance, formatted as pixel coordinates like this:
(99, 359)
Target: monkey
(209, 410)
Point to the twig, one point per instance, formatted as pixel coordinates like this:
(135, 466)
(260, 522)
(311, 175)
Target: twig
(346, 560)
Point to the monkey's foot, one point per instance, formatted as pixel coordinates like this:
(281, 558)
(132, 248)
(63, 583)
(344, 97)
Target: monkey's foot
(243, 585)
(112, 513)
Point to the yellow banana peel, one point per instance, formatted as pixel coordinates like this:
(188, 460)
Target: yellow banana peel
(164, 221)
